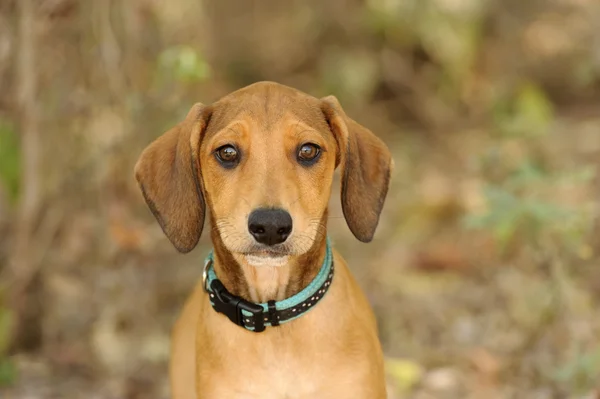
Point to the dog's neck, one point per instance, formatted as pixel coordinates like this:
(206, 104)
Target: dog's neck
(260, 284)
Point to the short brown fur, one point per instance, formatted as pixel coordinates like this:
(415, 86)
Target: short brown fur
(331, 351)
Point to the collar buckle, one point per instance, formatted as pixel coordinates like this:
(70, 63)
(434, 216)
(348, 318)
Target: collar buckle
(231, 306)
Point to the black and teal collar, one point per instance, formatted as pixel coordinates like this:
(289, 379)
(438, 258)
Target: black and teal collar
(256, 316)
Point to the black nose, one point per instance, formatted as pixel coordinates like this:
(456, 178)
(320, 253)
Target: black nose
(270, 226)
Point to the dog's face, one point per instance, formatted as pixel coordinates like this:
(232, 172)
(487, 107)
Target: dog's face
(267, 167)
(262, 159)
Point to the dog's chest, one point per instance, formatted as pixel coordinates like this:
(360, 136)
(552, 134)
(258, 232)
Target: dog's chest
(272, 372)
(276, 376)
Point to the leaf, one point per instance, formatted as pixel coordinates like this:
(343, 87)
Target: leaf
(10, 159)
(405, 373)
(185, 64)
(5, 328)
(8, 372)
(526, 175)
(350, 76)
(453, 40)
(580, 175)
(534, 108)
(581, 373)
(527, 112)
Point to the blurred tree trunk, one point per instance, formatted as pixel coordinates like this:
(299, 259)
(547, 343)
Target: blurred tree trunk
(231, 51)
(279, 28)
(23, 268)
(110, 50)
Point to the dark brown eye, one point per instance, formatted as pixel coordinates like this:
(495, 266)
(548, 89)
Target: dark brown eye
(308, 153)
(227, 155)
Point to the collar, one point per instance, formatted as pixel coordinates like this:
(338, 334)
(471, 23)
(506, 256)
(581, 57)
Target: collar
(257, 316)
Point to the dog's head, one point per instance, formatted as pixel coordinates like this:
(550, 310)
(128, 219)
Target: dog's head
(263, 159)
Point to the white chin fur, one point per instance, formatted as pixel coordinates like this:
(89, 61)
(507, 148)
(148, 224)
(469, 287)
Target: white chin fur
(259, 261)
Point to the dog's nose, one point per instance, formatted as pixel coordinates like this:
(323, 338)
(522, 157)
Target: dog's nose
(270, 226)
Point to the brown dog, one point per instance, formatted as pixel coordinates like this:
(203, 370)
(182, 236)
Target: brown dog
(271, 320)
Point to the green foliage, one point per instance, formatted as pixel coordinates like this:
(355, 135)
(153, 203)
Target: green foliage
(581, 373)
(586, 73)
(351, 77)
(450, 35)
(5, 326)
(7, 368)
(405, 373)
(453, 40)
(519, 198)
(526, 112)
(8, 372)
(10, 159)
(518, 205)
(184, 64)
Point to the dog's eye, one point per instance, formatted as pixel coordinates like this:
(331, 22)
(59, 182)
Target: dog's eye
(227, 155)
(308, 153)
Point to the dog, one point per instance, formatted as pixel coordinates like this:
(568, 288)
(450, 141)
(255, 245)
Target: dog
(277, 313)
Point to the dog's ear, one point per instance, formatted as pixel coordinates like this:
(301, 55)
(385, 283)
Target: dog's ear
(366, 168)
(168, 173)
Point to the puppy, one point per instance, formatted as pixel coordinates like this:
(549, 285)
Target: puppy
(277, 313)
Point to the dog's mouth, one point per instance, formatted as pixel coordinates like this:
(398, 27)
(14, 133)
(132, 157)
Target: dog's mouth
(266, 257)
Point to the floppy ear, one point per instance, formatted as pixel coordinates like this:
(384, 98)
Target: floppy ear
(366, 167)
(168, 175)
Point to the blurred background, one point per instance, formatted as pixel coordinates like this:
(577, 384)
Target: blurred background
(484, 271)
